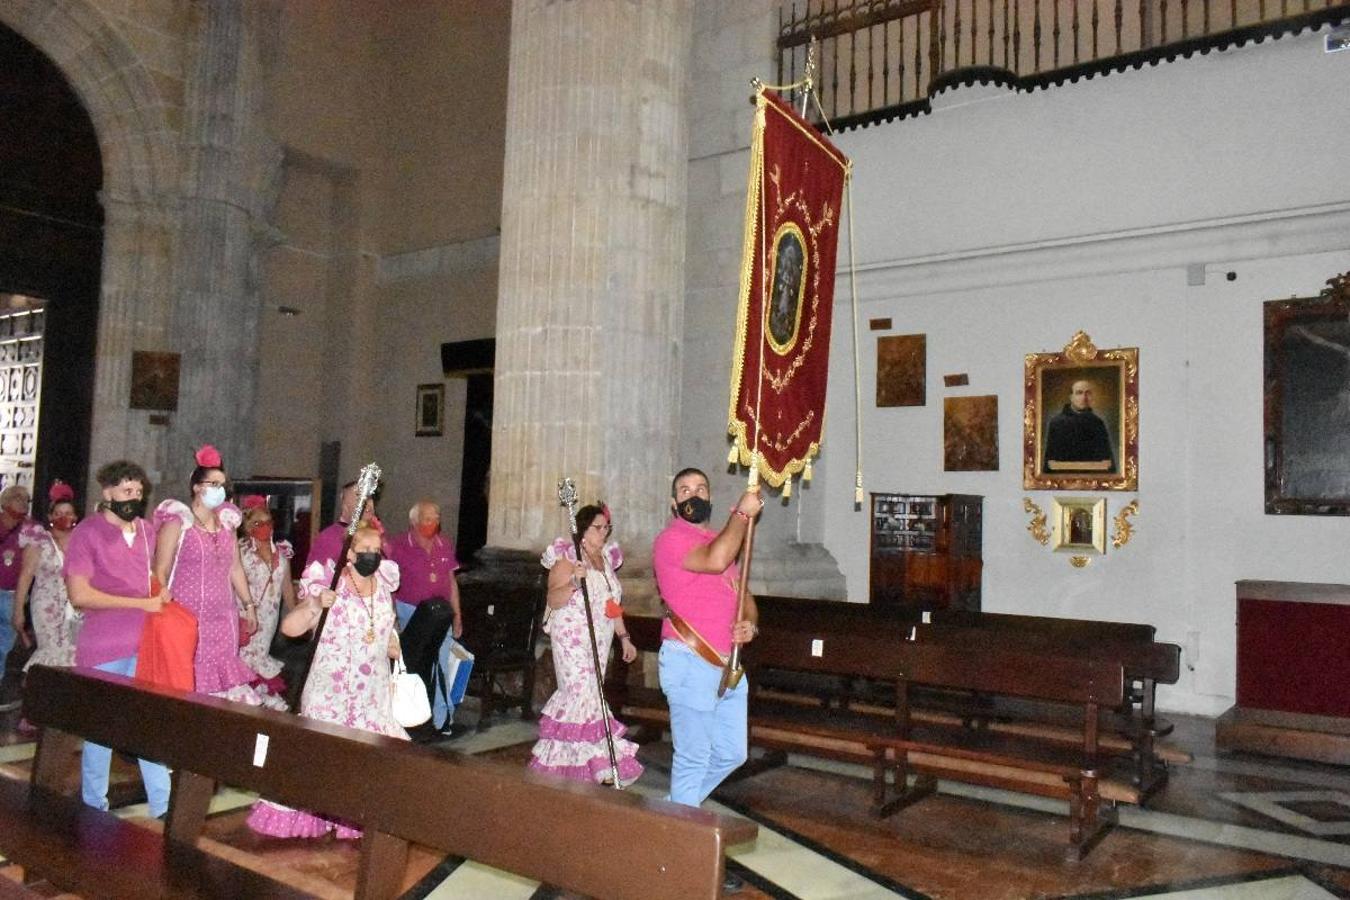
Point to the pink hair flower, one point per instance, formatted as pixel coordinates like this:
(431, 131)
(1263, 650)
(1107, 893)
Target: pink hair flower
(252, 501)
(60, 492)
(208, 457)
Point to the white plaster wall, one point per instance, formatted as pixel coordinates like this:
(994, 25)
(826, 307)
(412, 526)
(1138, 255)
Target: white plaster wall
(1000, 227)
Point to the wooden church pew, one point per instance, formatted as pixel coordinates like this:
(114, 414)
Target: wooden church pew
(399, 793)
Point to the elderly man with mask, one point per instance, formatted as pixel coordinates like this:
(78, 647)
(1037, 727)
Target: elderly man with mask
(427, 565)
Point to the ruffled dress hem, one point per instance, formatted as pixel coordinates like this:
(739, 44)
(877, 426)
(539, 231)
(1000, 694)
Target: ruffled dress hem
(275, 820)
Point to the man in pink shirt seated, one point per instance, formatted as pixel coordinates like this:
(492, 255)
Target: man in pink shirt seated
(427, 564)
(697, 575)
(107, 572)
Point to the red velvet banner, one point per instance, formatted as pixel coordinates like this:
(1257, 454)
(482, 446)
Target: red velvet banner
(780, 361)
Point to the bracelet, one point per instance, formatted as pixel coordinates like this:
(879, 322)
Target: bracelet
(737, 511)
(623, 637)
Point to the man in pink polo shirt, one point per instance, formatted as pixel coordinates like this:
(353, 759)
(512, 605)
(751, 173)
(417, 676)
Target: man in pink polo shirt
(107, 572)
(426, 565)
(696, 573)
(327, 545)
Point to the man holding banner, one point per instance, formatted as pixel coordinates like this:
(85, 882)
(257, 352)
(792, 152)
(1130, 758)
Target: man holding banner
(696, 574)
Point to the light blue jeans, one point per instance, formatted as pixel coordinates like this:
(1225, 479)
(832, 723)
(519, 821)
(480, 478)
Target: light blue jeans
(7, 634)
(442, 710)
(709, 732)
(96, 761)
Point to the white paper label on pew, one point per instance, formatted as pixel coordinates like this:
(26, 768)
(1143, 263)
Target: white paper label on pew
(260, 751)
(817, 647)
(491, 607)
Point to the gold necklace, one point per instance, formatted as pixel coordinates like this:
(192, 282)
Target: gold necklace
(370, 610)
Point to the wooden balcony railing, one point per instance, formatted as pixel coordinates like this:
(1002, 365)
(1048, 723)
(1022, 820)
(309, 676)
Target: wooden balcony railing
(882, 59)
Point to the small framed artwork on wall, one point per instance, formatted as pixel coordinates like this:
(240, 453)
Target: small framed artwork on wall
(430, 410)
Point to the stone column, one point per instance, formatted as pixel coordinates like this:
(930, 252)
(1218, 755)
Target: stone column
(230, 182)
(590, 302)
(135, 305)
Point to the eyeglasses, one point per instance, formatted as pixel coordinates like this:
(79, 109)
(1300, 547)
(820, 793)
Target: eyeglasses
(603, 529)
(219, 484)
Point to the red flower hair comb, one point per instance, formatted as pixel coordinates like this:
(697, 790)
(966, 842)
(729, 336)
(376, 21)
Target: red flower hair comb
(252, 501)
(60, 492)
(208, 457)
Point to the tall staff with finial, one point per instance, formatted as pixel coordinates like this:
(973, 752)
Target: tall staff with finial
(567, 497)
(366, 484)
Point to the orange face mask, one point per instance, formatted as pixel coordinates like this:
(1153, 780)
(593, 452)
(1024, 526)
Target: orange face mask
(262, 531)
(428, 529)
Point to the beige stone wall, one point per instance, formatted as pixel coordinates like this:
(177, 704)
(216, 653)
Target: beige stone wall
(392, 116)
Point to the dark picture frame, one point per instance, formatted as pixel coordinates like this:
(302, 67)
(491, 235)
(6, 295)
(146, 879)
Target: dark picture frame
(1069, 449)
(1307, 368)
(154, 380)
(970, 434)
(430, 410)
(902, 370)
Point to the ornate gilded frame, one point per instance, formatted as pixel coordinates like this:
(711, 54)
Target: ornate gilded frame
(1089, 536)
(1117, 369)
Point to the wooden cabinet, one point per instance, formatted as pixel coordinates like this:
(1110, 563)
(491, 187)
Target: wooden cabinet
(926, 551)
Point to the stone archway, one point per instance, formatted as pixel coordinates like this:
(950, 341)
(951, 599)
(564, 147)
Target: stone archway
(189, 177)
(140, 174)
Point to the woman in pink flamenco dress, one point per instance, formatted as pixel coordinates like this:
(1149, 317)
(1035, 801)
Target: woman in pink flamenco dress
(196, 554)
(571, 731)
(349, 681)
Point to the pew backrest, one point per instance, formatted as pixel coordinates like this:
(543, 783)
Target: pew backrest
(502, 816)
(1065, 679)
(1068, 628)
(1142, 659)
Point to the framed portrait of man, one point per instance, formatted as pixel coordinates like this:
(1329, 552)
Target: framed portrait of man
(1081, 418)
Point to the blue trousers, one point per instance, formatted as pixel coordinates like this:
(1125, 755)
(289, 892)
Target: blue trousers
(709, 732)
(442, 710)
(7, 634)
(96, 761)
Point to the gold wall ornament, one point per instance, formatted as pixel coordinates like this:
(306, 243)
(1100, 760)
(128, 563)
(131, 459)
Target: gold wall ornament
(1037, 525)
(1078, 525)
(1124, 530)
(1064, 447)
(1078, 562)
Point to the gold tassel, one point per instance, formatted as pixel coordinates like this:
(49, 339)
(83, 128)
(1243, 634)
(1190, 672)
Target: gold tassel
(806, 472)
(787, 488)
(733, 454)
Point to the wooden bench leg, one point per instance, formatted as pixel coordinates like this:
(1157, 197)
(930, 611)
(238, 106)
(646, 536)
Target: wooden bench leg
(886, 802)
(383, 861)
(56, 766)
(189, 802)
(1089, 819)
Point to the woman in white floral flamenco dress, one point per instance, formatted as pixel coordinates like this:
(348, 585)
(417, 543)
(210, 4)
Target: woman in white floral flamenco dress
(197, 556)
(349, 680)
(267, 566)
(41, 587)
(571, 728)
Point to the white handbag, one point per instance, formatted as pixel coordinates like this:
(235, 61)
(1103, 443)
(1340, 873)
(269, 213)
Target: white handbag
(408, 696)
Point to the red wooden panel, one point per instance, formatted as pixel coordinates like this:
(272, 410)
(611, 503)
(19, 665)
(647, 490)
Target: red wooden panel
(1293, 657)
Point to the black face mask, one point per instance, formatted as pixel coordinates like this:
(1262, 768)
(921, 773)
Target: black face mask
(694, 510)
(126, 510)
(366, 563)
